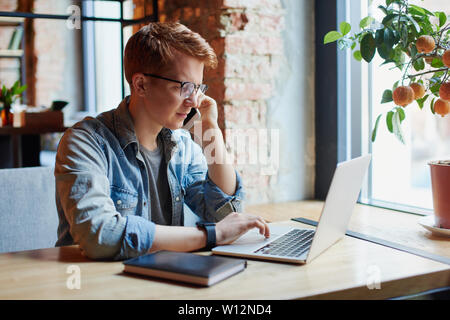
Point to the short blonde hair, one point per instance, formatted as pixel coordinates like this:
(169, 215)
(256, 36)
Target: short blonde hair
(152, 48)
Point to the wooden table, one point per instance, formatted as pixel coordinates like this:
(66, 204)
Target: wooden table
(351, 269)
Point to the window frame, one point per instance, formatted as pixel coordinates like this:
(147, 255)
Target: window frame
(342, 110)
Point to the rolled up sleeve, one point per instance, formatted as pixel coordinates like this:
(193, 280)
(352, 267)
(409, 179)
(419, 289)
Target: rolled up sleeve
(221, 203)
(203, 196)
(139, 235)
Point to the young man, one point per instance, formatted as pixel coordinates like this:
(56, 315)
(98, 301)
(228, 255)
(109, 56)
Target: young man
(124, 177)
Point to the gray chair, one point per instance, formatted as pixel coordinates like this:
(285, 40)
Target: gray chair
(28, 216)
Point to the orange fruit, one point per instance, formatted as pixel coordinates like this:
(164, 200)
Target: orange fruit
(442, 107)
(403, 96)
(444, 91)
(446, 58)
(425, 44)
(419, 90)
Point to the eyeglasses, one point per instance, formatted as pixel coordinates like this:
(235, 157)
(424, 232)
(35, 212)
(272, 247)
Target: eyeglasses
(186, 89)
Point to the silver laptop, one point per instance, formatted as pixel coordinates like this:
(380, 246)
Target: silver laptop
(296, 245)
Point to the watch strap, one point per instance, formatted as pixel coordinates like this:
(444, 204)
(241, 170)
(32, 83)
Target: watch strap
(210, 229)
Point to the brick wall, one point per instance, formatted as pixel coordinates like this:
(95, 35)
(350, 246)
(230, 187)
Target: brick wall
(246, 36)
(50, 53)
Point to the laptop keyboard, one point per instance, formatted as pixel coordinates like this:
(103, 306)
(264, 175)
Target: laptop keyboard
(292, 244)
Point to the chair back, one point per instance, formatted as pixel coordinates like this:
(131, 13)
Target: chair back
(28, 215)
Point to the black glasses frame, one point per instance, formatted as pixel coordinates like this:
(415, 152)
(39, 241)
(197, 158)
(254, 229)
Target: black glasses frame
(202, 87)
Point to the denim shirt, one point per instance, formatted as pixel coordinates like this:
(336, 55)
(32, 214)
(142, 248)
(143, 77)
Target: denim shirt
(102, 186)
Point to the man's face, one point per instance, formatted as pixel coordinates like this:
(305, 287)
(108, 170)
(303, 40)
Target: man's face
(163, 103)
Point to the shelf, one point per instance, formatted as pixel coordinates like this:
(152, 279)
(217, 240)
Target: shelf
(11, 21)
(7, 53)
(10, 130)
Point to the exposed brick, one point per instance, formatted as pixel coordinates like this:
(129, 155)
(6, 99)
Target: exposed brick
(247, 91)
(249, 67)
(265, 23)
(246, 36)
(8, 5)
(50, 53)
(253, 44)
(233, 21)
(252, 4)
(245, 113)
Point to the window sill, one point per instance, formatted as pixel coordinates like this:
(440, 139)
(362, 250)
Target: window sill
(387, 224)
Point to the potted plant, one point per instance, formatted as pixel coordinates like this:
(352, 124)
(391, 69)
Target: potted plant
(417, 42)
(7, 98)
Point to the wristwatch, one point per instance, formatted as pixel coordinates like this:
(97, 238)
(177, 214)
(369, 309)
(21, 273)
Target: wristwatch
(210, 229)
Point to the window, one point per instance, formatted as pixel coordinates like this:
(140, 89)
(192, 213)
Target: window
(103, 54)
(399, 176)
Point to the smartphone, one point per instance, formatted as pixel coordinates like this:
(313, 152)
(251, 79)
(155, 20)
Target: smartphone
(193, 116)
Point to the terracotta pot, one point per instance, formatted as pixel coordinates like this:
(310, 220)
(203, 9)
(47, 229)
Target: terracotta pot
(440, 184)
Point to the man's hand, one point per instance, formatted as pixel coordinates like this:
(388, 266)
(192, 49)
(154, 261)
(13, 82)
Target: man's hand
(208, 109)
(236, 224)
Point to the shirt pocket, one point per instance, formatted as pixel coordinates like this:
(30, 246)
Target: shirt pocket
(125, 201)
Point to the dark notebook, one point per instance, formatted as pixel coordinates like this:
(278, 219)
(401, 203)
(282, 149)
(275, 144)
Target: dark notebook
(186, 267)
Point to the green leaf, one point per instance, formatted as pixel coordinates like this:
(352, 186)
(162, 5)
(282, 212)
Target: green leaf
(388, 37)
(432, 106)
(389, 116)
(414, 51)
(420, 10)
(396, 36)
(357, 55)
(384, 9)
(404, 36)
(415, 10)
(14, 87)
(379, 37)
(368, 47)
(438, 74)
(414, 22)
(419, 64)
(435, 88)
(387, 21)
(384, 51)
(398, 56)
(387, 96)
(389, 2)
(396, 122)
(345, 28)
(332, 36)
(375, 128)
(21, 89)
(4, 91)
(364, 23)
(426, 25)
(442, 18)
(401, 113)
(395, 85)
(421, 101)
(437, 63)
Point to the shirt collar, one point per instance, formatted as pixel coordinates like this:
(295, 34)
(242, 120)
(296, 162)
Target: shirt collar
(124, 128)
